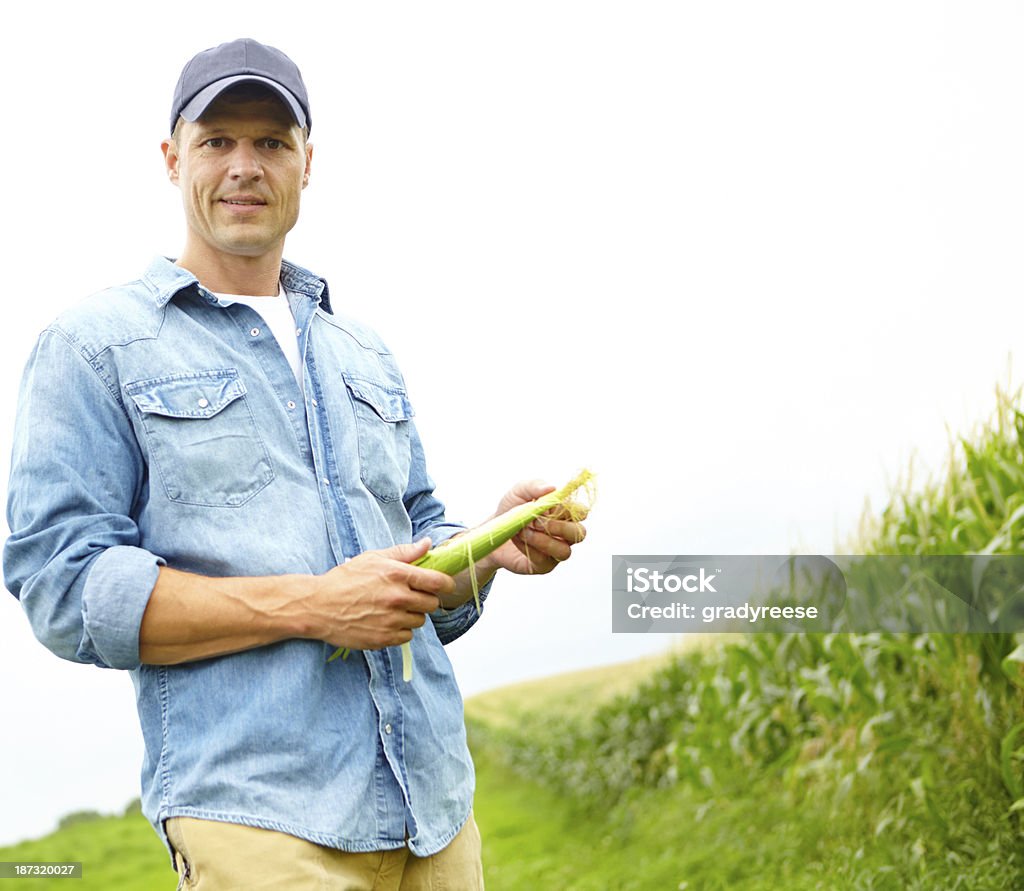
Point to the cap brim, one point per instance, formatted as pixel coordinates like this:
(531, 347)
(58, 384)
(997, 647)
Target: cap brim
(201, 101)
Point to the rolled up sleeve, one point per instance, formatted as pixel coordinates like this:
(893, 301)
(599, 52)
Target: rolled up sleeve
(452, 624)
(116, 593)
(73, 557)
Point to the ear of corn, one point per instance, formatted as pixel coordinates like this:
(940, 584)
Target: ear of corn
(463, 551)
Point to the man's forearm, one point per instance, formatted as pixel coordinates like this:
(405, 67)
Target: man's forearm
(372, 601)
(191, 617)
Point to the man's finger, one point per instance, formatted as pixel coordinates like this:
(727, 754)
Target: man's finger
(530, 490)
(407, 553)
(421, 602)
(567, 530)
(556, 548)
(430, 581)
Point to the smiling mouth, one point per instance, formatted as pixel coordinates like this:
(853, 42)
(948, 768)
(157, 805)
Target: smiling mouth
(243, 206)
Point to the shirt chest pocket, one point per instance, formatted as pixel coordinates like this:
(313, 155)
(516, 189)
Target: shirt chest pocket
(382, 415)
(204, 443)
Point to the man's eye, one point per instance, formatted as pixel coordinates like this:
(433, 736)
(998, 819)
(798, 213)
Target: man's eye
(215, 142)
(274, 144)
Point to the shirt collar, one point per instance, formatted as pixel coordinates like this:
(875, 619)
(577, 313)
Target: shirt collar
(165, 280)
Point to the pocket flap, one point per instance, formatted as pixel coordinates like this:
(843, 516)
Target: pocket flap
(200, 394)
(389, 402)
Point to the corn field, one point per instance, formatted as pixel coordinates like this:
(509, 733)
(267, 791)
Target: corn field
(914, 743)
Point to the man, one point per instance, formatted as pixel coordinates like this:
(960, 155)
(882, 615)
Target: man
(216, 482)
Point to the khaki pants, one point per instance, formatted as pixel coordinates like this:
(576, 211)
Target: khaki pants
(214, 856)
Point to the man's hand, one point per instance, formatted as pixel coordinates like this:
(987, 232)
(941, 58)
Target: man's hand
(376, 599)
(546, 542)
(539, 548)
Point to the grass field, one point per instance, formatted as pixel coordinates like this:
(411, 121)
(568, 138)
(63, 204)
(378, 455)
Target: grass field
(117, 854)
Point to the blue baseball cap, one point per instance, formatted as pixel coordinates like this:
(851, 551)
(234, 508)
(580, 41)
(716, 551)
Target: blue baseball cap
(211, 72)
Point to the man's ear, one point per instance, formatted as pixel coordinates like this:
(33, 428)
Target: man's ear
(309, 161)
(170, 150)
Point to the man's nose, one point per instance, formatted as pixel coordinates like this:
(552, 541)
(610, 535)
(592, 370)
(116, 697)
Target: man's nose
(245, 162)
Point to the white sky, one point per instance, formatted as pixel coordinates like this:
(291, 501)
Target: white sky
(742, 259)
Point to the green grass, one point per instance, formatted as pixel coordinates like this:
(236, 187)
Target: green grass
(117, 854)
(537, 839)
(857, 806)
(762, 835)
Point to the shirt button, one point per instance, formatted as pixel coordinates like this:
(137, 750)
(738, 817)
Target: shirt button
(387, 728)
(291, 405)
(204, 402)
(255, 332)
(327, 482)
(315, 403)
(298, 332)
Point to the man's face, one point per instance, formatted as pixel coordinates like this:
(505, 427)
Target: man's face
(241, 169)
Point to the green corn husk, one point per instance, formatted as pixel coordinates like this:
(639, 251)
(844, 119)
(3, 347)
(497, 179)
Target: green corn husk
(463, 551)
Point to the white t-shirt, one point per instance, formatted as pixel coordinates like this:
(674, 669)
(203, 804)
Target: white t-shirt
(276, 312)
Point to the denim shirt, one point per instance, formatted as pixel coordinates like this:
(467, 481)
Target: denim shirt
(158, 427)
